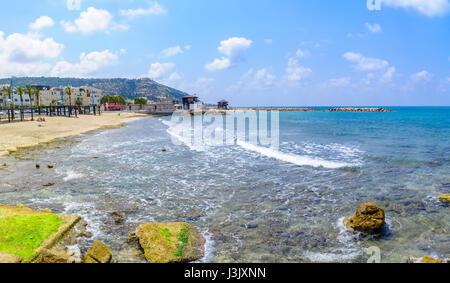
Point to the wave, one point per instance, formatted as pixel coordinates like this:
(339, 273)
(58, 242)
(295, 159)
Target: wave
(71, 175)
(292, 158)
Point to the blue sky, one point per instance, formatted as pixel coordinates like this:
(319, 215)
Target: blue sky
(252, 52)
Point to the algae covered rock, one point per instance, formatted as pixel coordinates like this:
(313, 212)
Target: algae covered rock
(428, 259)
(10, 258)
(368, 219)
(52, 256)
(444, 198)
(170, 242)
(98, 253)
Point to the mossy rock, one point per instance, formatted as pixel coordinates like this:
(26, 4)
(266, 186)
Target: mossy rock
(428, 259)
(10, 258)
(98, 253)
(444, 198)
(26, 233)
(368, 219)
(170, 242)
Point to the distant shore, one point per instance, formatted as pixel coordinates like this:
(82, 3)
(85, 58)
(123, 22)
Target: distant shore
(31, 133)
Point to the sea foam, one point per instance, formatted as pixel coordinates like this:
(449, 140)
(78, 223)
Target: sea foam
(292, 158)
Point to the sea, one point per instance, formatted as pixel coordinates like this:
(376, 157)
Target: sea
(254, 203)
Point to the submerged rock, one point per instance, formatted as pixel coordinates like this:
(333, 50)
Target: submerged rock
(368, 219)
(118, 218)
(444, 198)
(10, 258)
(170, 242)
(98, 253)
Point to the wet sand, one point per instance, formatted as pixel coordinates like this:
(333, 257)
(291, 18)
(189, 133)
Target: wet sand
(30, 133)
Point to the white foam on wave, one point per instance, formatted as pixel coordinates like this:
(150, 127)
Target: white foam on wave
(174, 131)
(72, 175)
(292, 158)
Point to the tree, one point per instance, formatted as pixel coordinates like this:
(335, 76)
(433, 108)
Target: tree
(69, 92)
(7, 90)
(37, 95)
(140, 101)
(20, 93)
(29, 91)
(78, 102)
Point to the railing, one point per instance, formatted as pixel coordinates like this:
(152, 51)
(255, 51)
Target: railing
(26, 113)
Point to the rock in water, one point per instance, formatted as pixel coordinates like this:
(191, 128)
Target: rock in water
(170, 242)
(428, 259)
(10, 258)
(98, 253)
(444, 198)
(368, 219)
(52, 256)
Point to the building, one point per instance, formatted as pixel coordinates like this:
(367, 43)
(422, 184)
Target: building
(191, 102)
(53, 96)
(83, 96)
(223, 105)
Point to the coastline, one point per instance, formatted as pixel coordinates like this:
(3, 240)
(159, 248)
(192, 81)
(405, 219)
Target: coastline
(32, 133)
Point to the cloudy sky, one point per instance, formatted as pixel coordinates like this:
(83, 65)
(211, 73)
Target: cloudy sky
(252, 52)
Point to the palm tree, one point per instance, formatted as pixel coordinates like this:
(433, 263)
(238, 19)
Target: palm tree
(29, 91)
(7, 90)
(37, 96)
(69, 91)
(20, 92)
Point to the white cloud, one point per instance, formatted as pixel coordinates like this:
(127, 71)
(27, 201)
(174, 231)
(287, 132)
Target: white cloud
(301, 53)
(154, 9)
(295, 72)
(41, 23)
(387, 77)
(364, 63)
(422, 76)
(268, 40)
(338, 82)
(89, 63)
(427, 7)
(188, 47)
(171, 51)
(218, 64)
(93, 20)
(27, 54)
(233, 48)
(73, 4)
(157, 70)
(255, 80)
(375, 28)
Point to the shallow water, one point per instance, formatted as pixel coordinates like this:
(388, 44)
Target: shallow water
(253, 205)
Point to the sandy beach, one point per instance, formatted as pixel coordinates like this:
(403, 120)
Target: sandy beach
(23, 134)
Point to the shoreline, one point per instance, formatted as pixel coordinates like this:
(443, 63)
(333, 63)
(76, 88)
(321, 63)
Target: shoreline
(15, 136)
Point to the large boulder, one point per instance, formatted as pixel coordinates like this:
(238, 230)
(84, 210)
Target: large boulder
(170, 242)
(444, 198)
(10, 258)
(98, 253)
(368, 219)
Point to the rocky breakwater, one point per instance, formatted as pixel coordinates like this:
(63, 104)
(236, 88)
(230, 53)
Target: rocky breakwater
(169, 242)
(368, 219)
(355, 109)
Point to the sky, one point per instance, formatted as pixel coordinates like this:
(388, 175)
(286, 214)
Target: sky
(251, 52)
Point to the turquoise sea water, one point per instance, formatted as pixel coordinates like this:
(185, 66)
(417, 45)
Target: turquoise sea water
(253, 205)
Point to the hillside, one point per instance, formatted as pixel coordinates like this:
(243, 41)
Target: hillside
(129, 88)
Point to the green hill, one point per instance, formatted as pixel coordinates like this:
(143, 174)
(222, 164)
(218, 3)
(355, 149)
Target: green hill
(129, 88)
